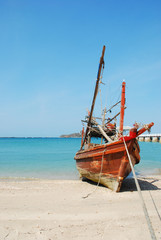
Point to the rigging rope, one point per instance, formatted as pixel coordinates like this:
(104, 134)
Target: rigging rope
(99, 179)
(101, 100)
(155, 206)
(151, 230)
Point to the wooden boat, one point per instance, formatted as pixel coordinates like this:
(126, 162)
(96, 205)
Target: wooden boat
(107, 163)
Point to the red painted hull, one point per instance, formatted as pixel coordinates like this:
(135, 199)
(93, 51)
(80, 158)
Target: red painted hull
(108, 163)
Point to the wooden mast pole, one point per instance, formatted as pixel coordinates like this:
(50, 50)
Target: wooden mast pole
(95, 93)
(122, 108)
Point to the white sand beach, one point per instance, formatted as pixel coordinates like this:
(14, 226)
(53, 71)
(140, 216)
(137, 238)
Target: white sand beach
(50, 210)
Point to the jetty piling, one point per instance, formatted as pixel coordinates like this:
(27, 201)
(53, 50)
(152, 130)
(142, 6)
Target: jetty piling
(150, 138)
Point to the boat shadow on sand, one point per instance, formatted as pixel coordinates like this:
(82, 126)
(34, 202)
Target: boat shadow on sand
(128, 185)
(146, 184)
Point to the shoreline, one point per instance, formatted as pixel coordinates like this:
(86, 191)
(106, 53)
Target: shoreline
(57, 209)
(75, 177)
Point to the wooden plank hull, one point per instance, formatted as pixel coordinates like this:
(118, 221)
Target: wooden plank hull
(108, 163)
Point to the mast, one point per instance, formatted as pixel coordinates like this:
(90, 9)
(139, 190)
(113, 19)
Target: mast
(101, 64)
(122, 108)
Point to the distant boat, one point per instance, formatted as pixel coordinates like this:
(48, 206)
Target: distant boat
(107, 163)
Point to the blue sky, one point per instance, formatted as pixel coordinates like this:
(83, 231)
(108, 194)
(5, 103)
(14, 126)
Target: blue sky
(50, 52)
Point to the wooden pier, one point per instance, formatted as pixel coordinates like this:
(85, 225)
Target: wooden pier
(150, 138)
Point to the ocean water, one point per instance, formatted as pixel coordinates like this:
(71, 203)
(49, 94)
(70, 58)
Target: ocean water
(53, 158)
(150, 163)
(46, 158)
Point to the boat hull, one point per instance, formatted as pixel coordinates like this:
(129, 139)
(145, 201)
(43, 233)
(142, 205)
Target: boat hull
(107, 164)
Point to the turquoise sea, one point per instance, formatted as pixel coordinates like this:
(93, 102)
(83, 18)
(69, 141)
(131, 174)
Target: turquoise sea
(53, 158)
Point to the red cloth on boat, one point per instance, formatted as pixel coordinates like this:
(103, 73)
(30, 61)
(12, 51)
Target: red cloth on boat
(132, 134)
(111, 126)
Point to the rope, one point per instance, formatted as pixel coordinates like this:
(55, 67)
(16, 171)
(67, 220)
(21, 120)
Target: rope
(99, 177)
(151, 230)
(155, 206)
(100, 99)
